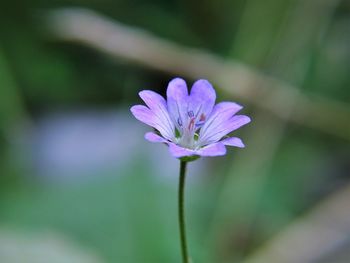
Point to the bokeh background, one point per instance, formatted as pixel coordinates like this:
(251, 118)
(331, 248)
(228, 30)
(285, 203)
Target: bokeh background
(78, 183)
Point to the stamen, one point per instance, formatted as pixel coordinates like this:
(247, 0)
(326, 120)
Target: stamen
(179, 121)
(201, 121)
(191, 124)
(190, 114)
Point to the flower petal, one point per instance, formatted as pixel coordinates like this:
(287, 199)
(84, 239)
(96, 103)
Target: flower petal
(221, 113)
(178, 151)
(152, 137)
(152, 99)
(214, 133)
(233, 141)
(145, 115)
(158, 106)
(202, 99)
(177, 100)
(215, 149)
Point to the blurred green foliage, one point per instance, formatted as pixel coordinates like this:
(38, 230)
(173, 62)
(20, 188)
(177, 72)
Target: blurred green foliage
(239, 203)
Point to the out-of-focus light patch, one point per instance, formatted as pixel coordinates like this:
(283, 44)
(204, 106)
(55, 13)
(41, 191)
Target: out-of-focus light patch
(18, 246)
(84, 143)
(88, 143)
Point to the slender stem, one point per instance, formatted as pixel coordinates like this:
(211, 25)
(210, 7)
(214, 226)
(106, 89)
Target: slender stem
(181, 196)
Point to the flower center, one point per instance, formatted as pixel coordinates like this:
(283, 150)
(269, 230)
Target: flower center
(188, 136)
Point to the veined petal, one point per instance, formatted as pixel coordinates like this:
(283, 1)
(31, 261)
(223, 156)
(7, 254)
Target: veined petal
(158, 106)
(178, 151)
(152, 137)
(145, 115)
(152, 99)
(201, 100)
(215, 149)
(214, 133)
(221, 113)
(233, 141)
(177, 101)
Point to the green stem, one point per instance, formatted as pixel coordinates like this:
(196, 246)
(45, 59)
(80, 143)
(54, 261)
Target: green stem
(181, 196)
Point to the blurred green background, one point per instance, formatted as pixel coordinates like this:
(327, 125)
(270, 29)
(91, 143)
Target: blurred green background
(78, 183)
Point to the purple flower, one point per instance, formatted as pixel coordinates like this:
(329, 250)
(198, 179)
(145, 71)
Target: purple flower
(190, 124)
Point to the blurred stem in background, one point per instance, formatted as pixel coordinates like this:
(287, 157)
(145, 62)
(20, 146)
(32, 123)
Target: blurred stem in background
(250, 85)
(12, 115)
(11, 105)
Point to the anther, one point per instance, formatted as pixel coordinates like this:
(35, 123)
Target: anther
(179, 121)
(190, 114)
